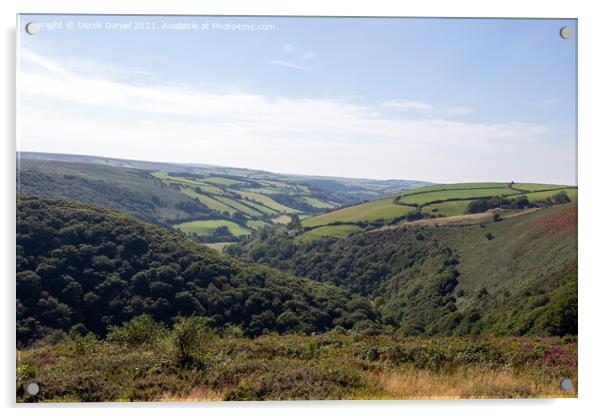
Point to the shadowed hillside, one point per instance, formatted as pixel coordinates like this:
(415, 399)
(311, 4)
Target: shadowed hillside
(84, 267)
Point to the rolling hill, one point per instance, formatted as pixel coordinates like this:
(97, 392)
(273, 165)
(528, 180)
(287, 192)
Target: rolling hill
(87, 267)
(193, 198)
(350, 190)
(432, 202)
(512, 274)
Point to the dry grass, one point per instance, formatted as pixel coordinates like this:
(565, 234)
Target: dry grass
(411, 383)
(198, 394)
(466, 219)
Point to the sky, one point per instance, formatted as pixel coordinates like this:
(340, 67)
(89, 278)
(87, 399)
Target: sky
(441, 100)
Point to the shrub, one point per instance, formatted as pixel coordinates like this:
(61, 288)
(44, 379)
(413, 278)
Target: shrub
(141, 330)
(233, 331)
(83, 345)
(559, 198)
(562, 317)
(189, 334)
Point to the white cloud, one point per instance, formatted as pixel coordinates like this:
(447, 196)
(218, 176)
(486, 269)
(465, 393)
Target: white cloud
(288, 47)
(65, 111)
(309, 55)
(286, 64)
(408, 105)
(459, 111)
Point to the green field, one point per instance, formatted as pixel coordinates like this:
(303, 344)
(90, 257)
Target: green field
(369, 211)
(267, 201)
(238, 206)
(447, 209)
(541, 196)
(261, 208)
(420, 199)
(337, 231)
(222, 181)
(176, 179)
(452, 186)
(388, 209)
(282, 219)
(535, 186)
(223, 194)
(317, 203)
(257, 224)
(207, 227)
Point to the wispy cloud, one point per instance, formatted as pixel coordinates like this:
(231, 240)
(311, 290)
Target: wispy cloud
(309, 55)
(424, 107)
(459, 111)
(286, 64)
(408, 105)
(295, 57)
(67, 110)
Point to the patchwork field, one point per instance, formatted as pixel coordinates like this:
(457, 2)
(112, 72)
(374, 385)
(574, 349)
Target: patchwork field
(338, 231)
(369, 211)
(444, 195)
(432, 201)
(170, 194)
(207, 227)
(253, 201)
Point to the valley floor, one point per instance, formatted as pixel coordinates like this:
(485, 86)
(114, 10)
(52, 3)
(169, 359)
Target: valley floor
(296, 367)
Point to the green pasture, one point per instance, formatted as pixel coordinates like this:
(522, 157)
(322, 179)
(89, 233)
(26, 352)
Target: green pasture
(337, 231)
(369, 211)
(421, 199)
(266, 200)
(207, 227)
(452, 186)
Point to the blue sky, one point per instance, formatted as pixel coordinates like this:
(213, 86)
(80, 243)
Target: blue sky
(445, 100)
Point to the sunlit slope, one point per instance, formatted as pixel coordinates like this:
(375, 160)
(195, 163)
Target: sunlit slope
(514, 275)
(432, 201)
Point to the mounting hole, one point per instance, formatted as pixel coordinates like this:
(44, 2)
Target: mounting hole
(33, 389)
(565, 32)
(566, 384)
(32, 28)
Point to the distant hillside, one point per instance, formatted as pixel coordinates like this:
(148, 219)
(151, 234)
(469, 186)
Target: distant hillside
(211, 207)
(349, 190)
(516, 274)
(88, 267)
(131, 191)
(435, 201)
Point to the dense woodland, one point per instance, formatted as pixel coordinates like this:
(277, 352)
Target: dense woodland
(413, 275)
(84, 267)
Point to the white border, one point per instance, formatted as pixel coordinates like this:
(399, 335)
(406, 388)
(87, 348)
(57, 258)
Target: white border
(590, 288)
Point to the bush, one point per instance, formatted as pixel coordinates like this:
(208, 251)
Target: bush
(189, 335)
(83, 345)
(562, 317)
(141, 330)
(559, 198)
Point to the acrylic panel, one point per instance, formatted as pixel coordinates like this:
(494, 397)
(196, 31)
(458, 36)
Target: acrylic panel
(295, 208)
